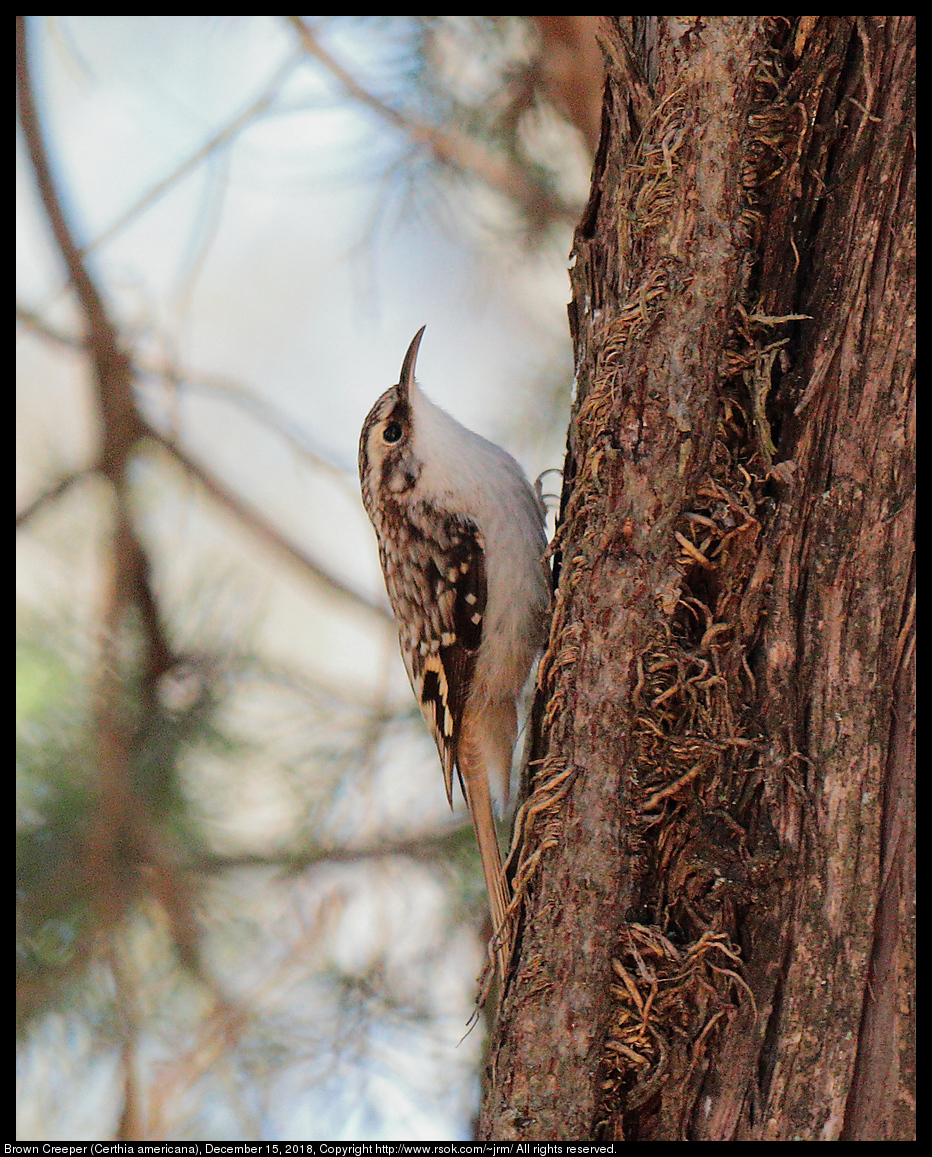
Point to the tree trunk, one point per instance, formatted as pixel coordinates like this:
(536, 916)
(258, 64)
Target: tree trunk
(715, 862)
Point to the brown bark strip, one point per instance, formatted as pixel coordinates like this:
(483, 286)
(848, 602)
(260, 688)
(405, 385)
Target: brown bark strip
(829, 660)
(656, 273)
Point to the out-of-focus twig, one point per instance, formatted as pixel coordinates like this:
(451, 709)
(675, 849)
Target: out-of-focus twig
(48, 496)
(427, 847)
(260, 527)
(132, 1124)
(259, 106)
(37, 324)
(120, 425)
(221, 385)
(119, 842)
(252, 519)
(241, 396)
(447, 146)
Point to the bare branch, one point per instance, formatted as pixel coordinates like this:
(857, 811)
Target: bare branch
(255, 521)
(121, 426)
(218, 141)
(276, 421)
(64, 484)
(447, 146)
(260, 527)
(218, 384)
(427, 847)
(120, 832)
(119, 417)
(38, 325)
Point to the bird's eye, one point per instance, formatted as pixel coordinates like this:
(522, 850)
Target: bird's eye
(392, 432)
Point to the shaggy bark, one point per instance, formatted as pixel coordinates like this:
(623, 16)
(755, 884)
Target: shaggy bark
(714, 864)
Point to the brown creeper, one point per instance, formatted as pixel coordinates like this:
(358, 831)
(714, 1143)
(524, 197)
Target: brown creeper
(461, 540)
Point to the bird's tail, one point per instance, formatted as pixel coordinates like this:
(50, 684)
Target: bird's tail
(485, 749)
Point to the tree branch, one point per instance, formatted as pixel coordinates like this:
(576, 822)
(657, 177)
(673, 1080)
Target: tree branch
(223, 386)
(256, 523)
(253, 519)
(428, 847)
(121, 830)
(38, 325)
(64, 484)
(120, 419)
(218, 141)
(447, 146)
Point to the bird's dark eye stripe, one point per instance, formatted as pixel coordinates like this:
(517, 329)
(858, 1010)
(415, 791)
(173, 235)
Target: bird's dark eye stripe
(392, 432)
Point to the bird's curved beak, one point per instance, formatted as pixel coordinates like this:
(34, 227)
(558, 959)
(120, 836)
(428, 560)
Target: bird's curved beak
(406, 379)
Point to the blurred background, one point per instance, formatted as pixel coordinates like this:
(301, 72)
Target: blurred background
(244, 909)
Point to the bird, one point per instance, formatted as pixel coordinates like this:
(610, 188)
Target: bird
(462, 544)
